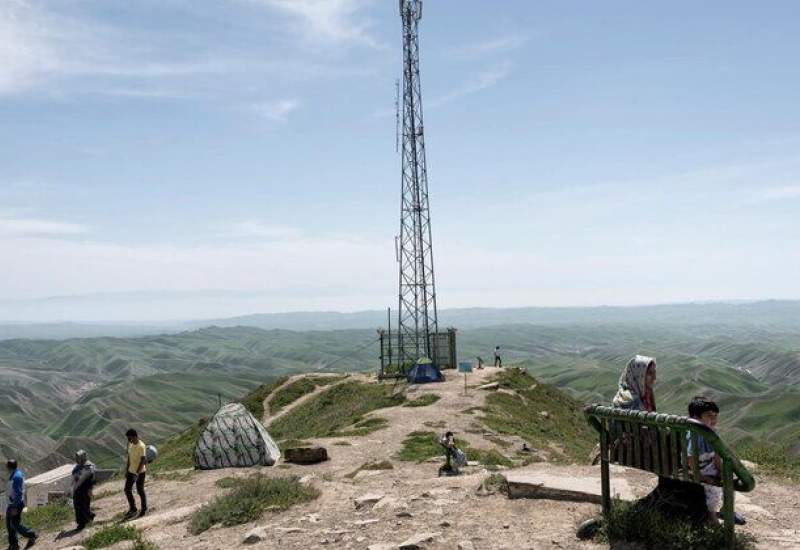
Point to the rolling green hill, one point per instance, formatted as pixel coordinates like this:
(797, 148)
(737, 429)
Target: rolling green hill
(58, 396)
(754, 374)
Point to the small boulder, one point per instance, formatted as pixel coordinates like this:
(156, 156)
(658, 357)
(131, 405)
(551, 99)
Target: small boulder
(466, 545)
(255, 536)
(418, 541)
(544, 414)
(367, 500)
(306, 455)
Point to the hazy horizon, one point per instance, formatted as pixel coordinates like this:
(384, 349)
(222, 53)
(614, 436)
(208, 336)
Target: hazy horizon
(136, 307)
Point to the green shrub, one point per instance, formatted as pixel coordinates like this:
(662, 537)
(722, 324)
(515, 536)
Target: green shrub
(628, 523)
(110, 535)
(249, 499)
(494, 483)
(423, 401)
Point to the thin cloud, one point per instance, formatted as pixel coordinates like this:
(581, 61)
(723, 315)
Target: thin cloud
(498, 44)
(278, 111)
(259, 230)
(780, 193)
(331, 20)
(484, 80)
(31, 227)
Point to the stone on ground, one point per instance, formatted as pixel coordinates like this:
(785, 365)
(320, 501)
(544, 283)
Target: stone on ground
(417, 541)
(255, 536)
(489, 387)
(306, 455)
(367, 500)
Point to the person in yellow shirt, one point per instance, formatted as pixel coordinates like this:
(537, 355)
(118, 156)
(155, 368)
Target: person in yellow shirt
(135, 473)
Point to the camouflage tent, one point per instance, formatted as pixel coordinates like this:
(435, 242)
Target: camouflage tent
(234, 439)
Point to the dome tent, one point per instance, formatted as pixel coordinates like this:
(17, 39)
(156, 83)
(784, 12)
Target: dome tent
(234, 439)
(424, 372)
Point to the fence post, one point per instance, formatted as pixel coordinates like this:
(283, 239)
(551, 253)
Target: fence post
(604, 470)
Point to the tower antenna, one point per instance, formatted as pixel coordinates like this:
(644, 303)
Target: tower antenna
(417, 313)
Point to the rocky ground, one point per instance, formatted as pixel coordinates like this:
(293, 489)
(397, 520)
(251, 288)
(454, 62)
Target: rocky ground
(384, 509)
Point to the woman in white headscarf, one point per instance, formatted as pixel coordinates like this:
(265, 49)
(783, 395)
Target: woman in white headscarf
(636, 385)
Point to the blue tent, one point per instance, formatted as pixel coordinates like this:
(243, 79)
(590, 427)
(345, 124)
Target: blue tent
(423, 373)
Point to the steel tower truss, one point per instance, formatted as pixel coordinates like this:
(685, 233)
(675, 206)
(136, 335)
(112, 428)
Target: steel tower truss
(417, 316)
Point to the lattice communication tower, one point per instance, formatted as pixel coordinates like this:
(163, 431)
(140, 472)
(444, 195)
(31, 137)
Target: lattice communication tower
(417, 313)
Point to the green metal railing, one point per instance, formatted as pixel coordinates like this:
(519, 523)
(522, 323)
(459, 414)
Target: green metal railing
(658, 443)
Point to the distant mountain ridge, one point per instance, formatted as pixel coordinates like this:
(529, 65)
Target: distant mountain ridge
(773, 314)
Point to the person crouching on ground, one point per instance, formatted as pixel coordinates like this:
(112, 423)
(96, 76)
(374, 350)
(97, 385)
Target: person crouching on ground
(706, 411)
(83, 478)
(14, 507)
(135, 473)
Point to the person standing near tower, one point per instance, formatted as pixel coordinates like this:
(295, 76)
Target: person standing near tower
(498, 361)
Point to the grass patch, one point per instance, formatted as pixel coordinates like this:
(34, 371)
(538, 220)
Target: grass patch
(249, 500)
(364, 427)
(626, 523)
(488, 457)
(45, 518)
(774, 460)
(254, 401)
(227, 482)
(292, 444)
(518, 414)
(381, 465)
(421, 446)
(335, 409)
(297, 389)
(177, 453)
(113, 534)
(423, 401)
(176, 475)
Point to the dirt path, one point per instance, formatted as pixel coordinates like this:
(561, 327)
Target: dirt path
(267, 400)
(413, 499)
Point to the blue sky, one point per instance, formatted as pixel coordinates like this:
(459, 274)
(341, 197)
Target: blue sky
(579, 153)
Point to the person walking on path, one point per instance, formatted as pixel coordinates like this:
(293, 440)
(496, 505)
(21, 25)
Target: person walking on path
(135, 473)
(83, 478)
(15, 506)
(498, 361)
